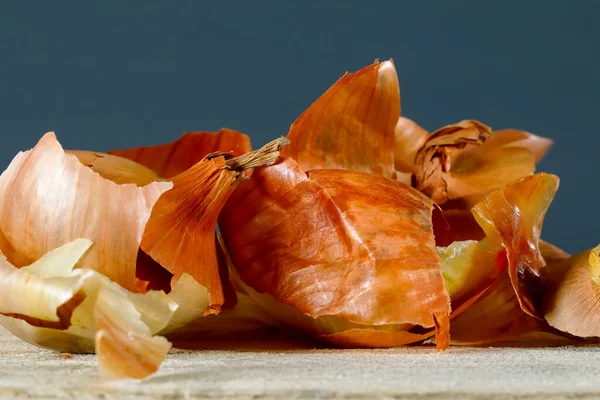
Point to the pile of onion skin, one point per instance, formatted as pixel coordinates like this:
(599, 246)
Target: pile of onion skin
(360, 229)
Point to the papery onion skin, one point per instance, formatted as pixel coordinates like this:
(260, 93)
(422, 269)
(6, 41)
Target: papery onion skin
(515, 215)
(124, 344)
(410, 137)
(537, 145)
(54, 287)
(180, 233)
(468, 268)
(465, 161)
(337, 243)
(333, 329)
(352, 125)
(458, 225)
(171, 159)
(117, 169)
(50, 304)
(51, 194)
(495, 317)
(512, 220)
(571, 301)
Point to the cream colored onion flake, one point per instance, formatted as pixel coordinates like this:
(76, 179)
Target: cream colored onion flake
(52, 305)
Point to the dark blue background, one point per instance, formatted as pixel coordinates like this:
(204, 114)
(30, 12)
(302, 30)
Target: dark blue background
(113, 74)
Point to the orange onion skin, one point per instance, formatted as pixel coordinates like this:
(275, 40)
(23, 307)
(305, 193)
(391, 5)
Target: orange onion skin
(171, 159)
(338, 243)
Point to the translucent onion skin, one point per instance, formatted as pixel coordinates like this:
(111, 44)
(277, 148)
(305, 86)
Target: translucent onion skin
(58, 199)
(171, 159)
(117, 169)
(352, 125)
(410, 137)
(50, 304)
(514, 217)
(337, 243)
(571, 295)
(506, 307)
(180, 233)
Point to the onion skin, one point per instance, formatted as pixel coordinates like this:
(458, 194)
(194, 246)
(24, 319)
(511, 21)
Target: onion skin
(180, 232)
(458, 225)
(515, 217)
(352, 125)
(410, 137)
(508, 307)
(171, 159)
(45, 200)
(335, 243)
(572, 294)
(117, 169)
(50, 304)
(465, 161)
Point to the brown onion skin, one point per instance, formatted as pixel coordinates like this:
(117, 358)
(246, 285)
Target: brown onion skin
(338, 243)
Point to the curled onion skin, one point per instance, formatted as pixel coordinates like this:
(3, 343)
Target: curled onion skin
(180, 233)
(514, 216)
(337, 243)
(48, 198)
(465, 161)
(352, 125)
(506, 308)
(171, 159)
(571, 294)
(50, 304)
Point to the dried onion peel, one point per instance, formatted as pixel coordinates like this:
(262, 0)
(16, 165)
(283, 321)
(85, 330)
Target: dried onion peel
(49, 198)
(359, 111)
(349, 249)
(465, 161)
(31, 181)
(52, 305)
(171, 159)
(571, 294)
(512, 219)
